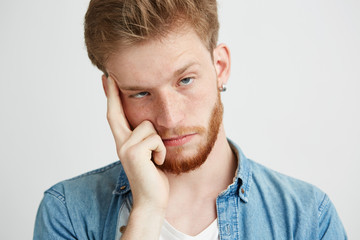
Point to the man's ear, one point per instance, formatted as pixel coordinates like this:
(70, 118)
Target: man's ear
(104, 83)
(222, 63)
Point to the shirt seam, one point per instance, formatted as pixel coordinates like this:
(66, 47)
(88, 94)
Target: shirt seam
(59, 196)
(323, 205)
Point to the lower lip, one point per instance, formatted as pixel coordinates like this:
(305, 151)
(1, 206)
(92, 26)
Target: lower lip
(178, 141)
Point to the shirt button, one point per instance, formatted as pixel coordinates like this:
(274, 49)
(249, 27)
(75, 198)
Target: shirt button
(122, 187)
(242, 191)
(122, 229)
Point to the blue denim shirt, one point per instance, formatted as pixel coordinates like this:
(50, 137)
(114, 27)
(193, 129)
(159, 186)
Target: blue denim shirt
(259, 204)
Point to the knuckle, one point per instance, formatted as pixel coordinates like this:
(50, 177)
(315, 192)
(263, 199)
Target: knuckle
(155, 137)
(109, 116)
(122, 152)
(147, 124)
(131, 153)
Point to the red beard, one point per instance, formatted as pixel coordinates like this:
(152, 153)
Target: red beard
(175, 165)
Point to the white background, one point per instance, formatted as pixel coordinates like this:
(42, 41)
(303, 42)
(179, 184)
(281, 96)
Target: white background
(292, 103)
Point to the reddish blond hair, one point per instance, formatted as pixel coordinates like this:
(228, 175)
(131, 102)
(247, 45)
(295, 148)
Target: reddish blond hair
(112, 24)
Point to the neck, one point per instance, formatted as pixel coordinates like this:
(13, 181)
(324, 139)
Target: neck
(217, 171)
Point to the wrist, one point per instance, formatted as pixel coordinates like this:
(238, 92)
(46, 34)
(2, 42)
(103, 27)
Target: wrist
(144, 221)
(147, 209)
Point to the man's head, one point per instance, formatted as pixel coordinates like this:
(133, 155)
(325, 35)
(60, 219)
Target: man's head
(114, 24)
(168, 70)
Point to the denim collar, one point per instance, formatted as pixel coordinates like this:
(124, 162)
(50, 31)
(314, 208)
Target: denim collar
(240, 186)
(122, 186)
(243, 174)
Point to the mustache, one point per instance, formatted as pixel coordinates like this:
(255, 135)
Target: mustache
(180, 131)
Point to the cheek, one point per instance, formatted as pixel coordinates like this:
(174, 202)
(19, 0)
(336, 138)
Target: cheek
(201, 104)
(135, 113)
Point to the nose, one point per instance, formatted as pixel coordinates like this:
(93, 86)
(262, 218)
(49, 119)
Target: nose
(169, 110)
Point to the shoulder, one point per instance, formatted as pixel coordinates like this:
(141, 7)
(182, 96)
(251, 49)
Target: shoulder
(79, 206)
(101, 180)
(291, 195)
(280, 185)
(308, 206)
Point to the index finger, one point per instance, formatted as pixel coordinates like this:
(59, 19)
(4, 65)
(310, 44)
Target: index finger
(115, 113)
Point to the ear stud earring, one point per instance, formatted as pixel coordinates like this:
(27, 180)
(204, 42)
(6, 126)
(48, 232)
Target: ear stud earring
(222, 88)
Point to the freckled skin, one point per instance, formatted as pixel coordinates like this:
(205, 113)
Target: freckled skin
(169, 106)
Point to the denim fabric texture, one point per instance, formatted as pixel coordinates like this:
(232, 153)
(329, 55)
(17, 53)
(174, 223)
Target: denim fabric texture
(259, 204)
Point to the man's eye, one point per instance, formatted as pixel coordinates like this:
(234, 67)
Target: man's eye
(139, 95)
(186, 81)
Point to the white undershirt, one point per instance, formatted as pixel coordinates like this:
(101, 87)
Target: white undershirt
(168, 232)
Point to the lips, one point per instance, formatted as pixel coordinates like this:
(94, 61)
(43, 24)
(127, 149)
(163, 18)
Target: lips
(178, 141)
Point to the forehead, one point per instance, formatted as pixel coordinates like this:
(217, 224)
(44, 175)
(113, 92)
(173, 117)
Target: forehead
(158, 57)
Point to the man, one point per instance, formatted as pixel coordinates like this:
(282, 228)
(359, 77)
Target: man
(178, 177)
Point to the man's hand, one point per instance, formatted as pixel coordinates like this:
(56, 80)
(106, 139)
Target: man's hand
(136, 150)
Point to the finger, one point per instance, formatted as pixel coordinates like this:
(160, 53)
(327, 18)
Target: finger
(142, 131)
(154, 144)
(103, 78)
(159, 157)
(115, 113)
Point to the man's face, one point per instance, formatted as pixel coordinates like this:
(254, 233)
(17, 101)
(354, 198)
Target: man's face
(172, 83)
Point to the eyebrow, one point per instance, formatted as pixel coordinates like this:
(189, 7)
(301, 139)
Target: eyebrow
(184, 68)
(131, 88)
(176, 73)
